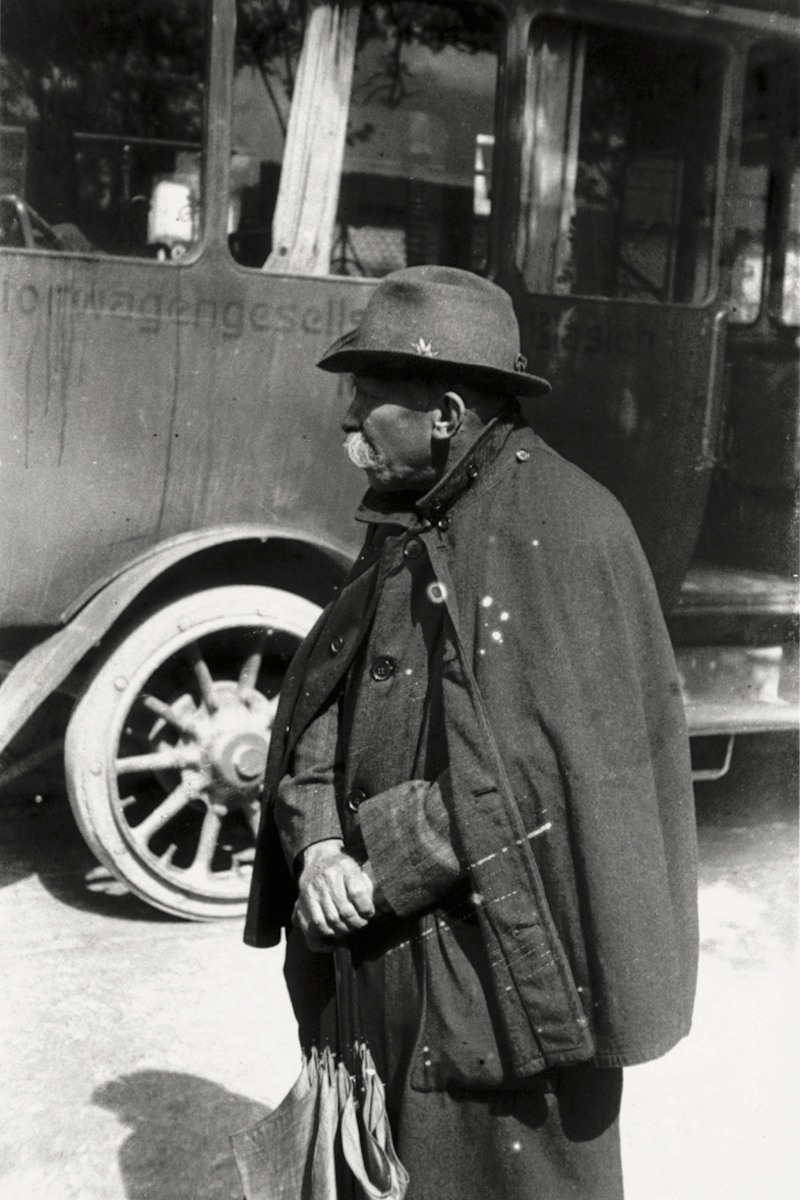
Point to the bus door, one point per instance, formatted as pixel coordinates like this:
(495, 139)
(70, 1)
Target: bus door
(614, 208)
(752, 522)
(735, 625)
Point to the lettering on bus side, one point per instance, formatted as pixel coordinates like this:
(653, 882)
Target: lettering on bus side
(149, 311)
(582, 336)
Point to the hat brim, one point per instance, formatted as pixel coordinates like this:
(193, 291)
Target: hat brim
(380, 362)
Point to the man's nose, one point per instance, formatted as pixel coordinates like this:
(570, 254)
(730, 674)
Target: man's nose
(352, 418)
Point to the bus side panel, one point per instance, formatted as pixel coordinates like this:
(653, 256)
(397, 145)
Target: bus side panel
(634, 403)
(143, 400)
(88, 380)
(269, 446)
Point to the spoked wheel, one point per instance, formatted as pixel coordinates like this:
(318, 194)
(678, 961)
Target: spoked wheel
(165, 751)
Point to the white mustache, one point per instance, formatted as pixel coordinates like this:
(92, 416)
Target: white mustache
(359, 451)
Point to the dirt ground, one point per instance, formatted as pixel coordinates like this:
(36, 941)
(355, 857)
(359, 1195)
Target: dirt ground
(133, 1043)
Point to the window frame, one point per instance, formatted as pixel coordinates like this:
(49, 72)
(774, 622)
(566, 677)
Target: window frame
(660, 24)
(505, 13)
(215, 14)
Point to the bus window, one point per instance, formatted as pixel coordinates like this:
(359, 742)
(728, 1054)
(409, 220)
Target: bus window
(766, 198)
(619, 164)
(749, 199)
(417, 162)
(790, 284)
(269, 37)
(101, 126)
(385, 158)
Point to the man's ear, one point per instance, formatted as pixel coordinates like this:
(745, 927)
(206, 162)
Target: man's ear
(448, 416)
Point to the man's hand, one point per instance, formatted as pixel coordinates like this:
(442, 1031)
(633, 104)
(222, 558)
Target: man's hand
(336, 895)
(378, 898)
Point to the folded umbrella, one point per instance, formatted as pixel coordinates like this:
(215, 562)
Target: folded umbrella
(366, 1138)
(329, 1139)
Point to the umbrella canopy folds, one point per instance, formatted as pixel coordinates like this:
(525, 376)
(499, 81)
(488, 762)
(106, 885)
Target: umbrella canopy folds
(329, 1139)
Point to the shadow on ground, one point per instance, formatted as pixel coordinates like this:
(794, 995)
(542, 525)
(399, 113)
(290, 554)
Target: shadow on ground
(39, 837)
(179, 1145)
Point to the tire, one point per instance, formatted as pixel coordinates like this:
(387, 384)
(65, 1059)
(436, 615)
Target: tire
(165, 749)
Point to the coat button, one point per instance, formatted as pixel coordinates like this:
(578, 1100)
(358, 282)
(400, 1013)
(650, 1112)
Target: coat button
(523, 455)
(336, 644)
(355, 799)
(443, 523)
(382, 669)
(413, 548)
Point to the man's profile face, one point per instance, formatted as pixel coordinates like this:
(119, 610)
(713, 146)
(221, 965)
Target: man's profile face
(389, 425)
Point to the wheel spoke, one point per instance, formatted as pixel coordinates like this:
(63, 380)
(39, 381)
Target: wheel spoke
(165, 811)
(203, 676)
(207, 843)
(166, 858)
(253, 816)
(251, 666)
(168, 714)
(173, 759)
(273, 708)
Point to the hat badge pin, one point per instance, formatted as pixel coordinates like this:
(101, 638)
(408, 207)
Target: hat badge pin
(424, 348)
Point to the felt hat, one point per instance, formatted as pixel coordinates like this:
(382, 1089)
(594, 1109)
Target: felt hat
(438, 321)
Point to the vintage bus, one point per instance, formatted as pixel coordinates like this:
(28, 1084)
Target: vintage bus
(196, 197)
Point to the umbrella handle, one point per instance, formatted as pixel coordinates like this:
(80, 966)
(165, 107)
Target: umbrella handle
(346, 1006)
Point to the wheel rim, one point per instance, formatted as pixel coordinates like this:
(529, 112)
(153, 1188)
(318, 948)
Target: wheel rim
(188, 755)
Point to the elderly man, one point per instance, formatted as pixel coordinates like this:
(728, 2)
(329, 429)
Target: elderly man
(479, 774)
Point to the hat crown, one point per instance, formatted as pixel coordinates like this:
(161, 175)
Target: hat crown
(441, 313)
(421, 317)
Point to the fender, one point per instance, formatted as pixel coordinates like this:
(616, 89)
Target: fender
(42, 669)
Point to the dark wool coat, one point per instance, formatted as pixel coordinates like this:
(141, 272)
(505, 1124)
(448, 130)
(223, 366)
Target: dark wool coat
(562, 712)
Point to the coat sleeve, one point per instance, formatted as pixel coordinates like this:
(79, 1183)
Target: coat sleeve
(406, 831)
(410, 842)
(306, 808)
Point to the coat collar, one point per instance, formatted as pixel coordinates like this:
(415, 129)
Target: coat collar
(411, 510)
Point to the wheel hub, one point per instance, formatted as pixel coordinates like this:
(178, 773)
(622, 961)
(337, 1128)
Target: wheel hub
(248, 761)
(225, 743)
(237, 760)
